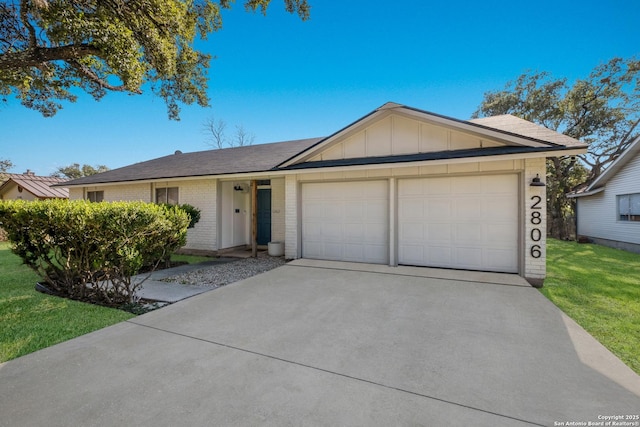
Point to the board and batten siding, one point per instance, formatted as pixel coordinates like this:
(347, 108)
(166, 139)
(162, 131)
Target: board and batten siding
(598, 214)
(397, 135)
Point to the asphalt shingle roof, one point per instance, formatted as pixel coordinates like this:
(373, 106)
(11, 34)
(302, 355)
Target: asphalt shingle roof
(252, 158)
(518, 126)
(266, 157)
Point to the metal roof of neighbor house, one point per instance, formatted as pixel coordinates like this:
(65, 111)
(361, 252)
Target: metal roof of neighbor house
(39, 186)
(251, 158)
(518, 126)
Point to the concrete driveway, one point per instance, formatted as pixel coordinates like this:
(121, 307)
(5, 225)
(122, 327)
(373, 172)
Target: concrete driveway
(335, 344)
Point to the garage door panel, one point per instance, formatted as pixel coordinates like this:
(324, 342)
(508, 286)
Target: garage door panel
(469, 234)
(459, 222)
(438, 233)
(500, 234)
(500, 257)
(351, 224)
(467, 209)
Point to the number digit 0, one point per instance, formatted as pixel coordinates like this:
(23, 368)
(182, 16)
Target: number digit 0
(536, 234)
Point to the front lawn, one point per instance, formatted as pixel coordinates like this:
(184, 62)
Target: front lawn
(599, 288)
(31, 320)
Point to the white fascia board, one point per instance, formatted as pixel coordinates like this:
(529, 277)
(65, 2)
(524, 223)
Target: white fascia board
(585, 194)
(519, 156)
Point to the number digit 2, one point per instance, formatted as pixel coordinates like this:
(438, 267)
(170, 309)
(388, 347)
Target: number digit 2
(536, 204)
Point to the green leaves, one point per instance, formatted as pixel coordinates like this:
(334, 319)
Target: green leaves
(49, 48)
(89, 251)
(602, 110)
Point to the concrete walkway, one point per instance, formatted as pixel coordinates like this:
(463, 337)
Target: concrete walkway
(328, 344)
(153, 288)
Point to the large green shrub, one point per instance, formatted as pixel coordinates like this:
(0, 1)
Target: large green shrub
(192, 211)
(89, 251)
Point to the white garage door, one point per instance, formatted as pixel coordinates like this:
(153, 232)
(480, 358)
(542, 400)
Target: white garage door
(346, 221)
(459, 222)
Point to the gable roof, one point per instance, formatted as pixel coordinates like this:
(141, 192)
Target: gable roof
(518, 136)
(39, 186)
(247, 159)
(518, 126)
(508, 129)
(599, 183)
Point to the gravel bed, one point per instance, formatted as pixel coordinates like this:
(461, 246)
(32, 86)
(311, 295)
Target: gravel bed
(225, 273)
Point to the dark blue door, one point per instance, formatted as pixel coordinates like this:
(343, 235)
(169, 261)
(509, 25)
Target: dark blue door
(264, 216)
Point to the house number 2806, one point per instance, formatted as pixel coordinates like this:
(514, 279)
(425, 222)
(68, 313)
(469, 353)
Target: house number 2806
(536, 219)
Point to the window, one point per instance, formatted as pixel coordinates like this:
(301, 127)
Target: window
(95, 196)
(629, 207)
(167, 195)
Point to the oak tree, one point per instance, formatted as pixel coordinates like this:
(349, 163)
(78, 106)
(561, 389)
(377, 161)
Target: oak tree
(51, 48)
(74, 171)
(602, 110)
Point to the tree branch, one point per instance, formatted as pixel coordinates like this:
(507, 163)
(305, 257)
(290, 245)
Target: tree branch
(38, 56)
(24, 17)
(91, 75)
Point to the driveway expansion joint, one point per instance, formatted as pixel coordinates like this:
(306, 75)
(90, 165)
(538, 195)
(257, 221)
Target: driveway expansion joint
(409, 275)
(315, 368)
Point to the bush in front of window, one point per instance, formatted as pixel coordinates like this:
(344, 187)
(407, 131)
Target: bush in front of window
(90, 251)
(192, 211)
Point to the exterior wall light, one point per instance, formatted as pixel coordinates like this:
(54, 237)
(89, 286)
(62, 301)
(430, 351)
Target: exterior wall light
(535, 182)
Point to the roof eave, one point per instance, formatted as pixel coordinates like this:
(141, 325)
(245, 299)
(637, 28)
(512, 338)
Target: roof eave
(437, 158)
(474, 128)
(585, 193)
(614, 167)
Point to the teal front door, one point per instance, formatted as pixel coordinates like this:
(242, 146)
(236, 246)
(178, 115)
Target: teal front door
(264, 216)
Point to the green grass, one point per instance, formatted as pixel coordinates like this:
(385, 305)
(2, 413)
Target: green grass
(599, 288)
(31, 321)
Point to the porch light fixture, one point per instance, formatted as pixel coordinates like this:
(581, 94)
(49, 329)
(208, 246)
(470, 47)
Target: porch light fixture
(535, 182)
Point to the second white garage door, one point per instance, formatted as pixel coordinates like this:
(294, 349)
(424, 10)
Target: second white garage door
(346, 221)
(459, 222)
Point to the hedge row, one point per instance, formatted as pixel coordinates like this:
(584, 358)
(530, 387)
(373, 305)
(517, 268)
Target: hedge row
(89, 251)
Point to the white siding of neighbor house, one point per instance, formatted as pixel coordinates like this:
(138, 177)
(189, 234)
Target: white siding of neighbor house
(397, 135)
(598, 214)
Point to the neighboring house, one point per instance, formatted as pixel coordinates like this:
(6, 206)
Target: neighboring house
(608, 211)
(28, 186)
(398, 186)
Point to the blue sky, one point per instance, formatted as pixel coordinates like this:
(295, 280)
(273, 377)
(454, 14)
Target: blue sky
(281, 78)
